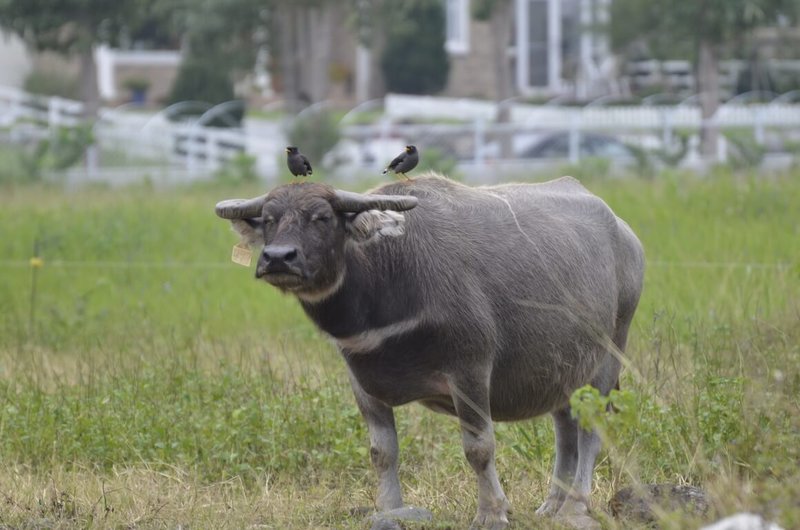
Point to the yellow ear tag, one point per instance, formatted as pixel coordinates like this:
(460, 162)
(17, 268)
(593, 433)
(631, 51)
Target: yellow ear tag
(241, 254)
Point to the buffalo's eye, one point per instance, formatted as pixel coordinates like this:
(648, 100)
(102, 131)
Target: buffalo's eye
(268, 219)
(321, 217)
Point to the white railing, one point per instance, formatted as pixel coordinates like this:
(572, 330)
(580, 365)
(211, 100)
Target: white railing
(51, 111)
(185, 145)
(399, 107)
(475, 140)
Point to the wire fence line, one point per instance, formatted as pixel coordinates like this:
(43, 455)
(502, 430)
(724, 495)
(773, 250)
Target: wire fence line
(118, 264)
(719, 265)
(10, 263)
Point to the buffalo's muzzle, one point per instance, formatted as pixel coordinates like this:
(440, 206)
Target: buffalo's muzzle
(279, 259)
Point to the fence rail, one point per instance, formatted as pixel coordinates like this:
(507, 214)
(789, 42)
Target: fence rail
(50, 111)
(187, 146)
(401, 107)
(476, 141)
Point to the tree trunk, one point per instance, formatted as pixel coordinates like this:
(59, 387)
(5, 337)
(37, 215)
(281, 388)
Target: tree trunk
(500, 25)
(289, 58)
(377, 84)
(708, 87)
(90, 94)
(320, 24)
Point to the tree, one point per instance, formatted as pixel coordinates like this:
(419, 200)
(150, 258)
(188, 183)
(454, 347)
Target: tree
(229, 34)
(500, 14)
(414, 60)
(71, 28)
(712, 26)
(305, 42)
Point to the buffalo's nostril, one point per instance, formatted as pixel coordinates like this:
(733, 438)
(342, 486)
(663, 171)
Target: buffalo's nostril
(280, 253)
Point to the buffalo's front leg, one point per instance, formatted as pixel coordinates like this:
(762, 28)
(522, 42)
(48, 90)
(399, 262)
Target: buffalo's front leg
(471, 400)
(383, 447)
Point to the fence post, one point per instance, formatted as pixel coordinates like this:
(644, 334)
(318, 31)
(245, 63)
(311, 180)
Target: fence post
(53, 112)
(211, 148)
(574, 139)
(480, 141)
(758, 126)
(722, 149)
(666, 131)
(186, 132)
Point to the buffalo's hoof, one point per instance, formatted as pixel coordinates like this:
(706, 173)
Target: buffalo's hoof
(489, 522)
(574, 513)
(550, 506)
(391, 519)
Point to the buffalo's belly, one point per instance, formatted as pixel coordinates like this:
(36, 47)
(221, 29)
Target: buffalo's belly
(527, 379)
(396, 381)
(511, 401)
(526, 384)
(514, 395)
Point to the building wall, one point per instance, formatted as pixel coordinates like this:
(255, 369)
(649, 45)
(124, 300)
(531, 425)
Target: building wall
(472, 73)
(160, 77)
(115, 67)
(15, 63)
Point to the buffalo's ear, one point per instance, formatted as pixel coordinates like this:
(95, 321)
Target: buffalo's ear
(251, 231)
(373, 224)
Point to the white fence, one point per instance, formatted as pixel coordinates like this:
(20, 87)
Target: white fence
(476, 141)
(646, 126)
(185, 146)
(400, 107)
(17, 105)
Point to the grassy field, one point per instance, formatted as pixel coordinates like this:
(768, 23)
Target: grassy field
(145, 381)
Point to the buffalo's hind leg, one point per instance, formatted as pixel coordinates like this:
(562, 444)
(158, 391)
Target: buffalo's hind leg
(471, 400)
(566, 429)
(576, 505)
(383, 447)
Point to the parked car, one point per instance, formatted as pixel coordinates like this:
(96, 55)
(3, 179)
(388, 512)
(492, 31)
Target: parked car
(556, 145)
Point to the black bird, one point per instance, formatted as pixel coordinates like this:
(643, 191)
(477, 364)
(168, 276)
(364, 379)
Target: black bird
(297, 162)
(404, 162)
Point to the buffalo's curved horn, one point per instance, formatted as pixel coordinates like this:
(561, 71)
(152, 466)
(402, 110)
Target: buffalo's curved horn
(347, 201)
(241, 208)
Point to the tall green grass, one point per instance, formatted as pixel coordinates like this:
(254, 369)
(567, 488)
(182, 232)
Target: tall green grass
(142, 347)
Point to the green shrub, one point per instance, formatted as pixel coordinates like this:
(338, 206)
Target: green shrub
(204, 80)
(52, 84)
(63, 149)
(241, 169)
(12, 167)
(414, 60)
(588, 168)
(434, 159)
(745, 152)
(315, 133)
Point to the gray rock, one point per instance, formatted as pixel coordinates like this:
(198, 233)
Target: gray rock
(638, 502)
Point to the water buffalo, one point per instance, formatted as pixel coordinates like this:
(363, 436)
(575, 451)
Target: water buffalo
(487, 303)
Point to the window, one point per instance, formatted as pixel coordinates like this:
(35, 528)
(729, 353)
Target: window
(457, 26)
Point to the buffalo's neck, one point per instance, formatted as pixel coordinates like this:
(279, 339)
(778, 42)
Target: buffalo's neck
(372, 295)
